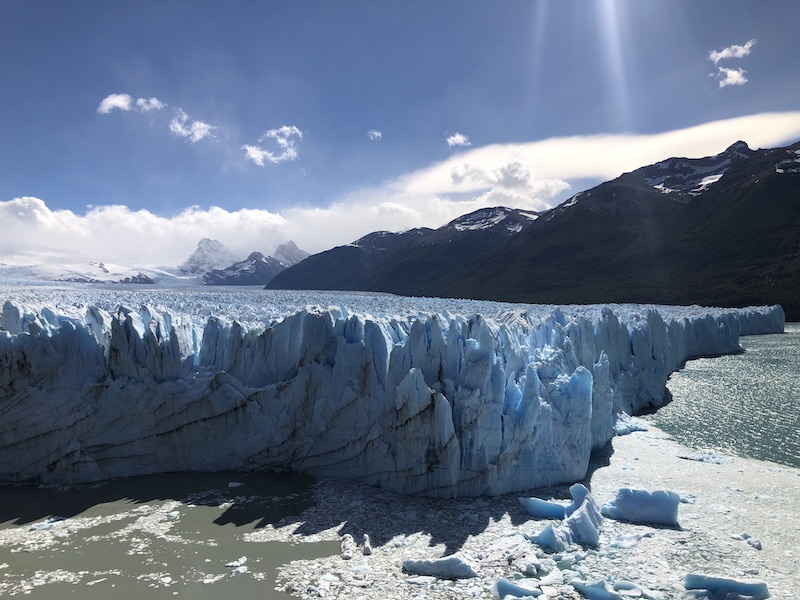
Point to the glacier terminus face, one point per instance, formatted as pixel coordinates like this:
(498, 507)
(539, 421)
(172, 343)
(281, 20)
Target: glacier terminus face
(418, 396)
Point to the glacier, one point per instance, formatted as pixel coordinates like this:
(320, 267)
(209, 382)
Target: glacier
(485, 400)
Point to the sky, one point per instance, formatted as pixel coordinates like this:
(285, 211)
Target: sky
(131, 130)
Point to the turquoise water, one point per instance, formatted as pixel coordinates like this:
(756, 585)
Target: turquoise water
(746, 405)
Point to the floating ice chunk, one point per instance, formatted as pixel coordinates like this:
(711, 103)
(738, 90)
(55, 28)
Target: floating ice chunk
(627, 587)
(627, 540)
(640, 506)
(724, 586)
(237, 563)
(708, 456)
(582, 526)
(449, 567)
(348, 546)
(584, 523)
(554, 577)
(543, 509)
(503, 588)
(235, 484)
(551, 539)
(626, 424)
(754, 543)
(597, 590)
(366, 546)
(48, 524)
(361, 570)
(421, 580)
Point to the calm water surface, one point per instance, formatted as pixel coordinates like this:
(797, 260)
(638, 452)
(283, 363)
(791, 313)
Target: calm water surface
(159, 536)
(746, 405)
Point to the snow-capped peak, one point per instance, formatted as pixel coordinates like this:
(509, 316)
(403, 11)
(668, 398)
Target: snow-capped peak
(488, 218)
(289, 254)
(209, 255)
(693, 176)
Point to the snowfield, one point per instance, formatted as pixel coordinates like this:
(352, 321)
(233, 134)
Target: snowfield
(419, 396)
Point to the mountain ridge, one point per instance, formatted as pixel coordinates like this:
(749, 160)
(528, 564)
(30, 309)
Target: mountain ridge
(721, 230)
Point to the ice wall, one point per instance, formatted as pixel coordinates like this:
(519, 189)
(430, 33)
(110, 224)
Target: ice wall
(440, 404)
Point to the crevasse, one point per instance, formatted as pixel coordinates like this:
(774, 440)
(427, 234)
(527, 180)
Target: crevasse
(438, 404)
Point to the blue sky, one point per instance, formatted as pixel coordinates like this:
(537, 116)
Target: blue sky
(132, 129)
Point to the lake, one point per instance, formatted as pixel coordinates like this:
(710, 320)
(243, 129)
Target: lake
(746, 404)
(157, 536)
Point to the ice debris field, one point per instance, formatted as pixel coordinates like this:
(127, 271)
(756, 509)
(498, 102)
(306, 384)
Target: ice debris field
(417, 396)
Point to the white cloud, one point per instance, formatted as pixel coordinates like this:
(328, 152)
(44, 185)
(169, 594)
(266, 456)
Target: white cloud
(195, 131)
(374, 134)
(148, 104)
(125, 102)
(112, 101)
(728, 77)
(528, 175)
(458, 139)
(734, 51)
(286, 138)
(117, 234)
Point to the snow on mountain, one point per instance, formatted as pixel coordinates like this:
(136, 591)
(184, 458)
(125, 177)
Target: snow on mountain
(289, 254)
(692, 176)
(83, 272)
(489, 218)
(435, 402)
(209, 255)
(790, 165)
(256, 269)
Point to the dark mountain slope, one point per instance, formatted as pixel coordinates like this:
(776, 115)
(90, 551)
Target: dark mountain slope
(736, 243)
(460, 244)
(407, 261)
(345, 267)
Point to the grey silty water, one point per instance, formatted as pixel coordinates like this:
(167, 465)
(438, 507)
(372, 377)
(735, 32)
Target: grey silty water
(746, 404)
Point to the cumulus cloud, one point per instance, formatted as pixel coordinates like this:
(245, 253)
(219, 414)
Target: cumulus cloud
(528, 175)
(734, 51)
(184, 127)
(126, 102)
(458, 139)
(117, 234)
(374, 134)
(286, 138)
(728, 77)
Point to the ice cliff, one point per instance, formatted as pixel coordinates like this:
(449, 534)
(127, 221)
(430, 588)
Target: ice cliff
(439, 404)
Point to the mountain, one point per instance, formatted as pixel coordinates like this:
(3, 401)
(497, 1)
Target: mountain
(385, 256)
(256, 269)
(27, 269)
(722, 230)
(209, 255)
(289, 254)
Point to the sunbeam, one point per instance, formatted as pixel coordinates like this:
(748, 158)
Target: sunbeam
(617, 96)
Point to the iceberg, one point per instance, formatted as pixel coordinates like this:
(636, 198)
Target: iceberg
(428, 403)
(726, 587)
(659, 507)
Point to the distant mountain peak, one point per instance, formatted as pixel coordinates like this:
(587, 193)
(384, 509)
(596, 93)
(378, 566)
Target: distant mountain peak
(289, 254)
(209, 255)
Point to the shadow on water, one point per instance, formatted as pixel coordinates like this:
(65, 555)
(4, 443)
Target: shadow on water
(22, 504)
